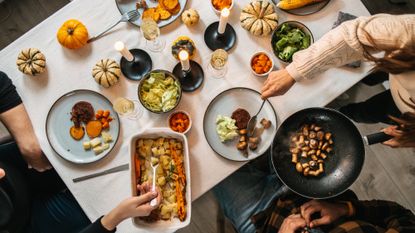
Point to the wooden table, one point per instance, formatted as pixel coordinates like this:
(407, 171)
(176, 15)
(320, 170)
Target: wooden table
(68, 70)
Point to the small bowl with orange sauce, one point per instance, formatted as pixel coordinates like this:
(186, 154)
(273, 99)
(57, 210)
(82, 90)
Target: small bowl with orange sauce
(261, 64)
(180, 121)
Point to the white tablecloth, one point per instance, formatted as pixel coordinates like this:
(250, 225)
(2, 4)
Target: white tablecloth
(68, 70)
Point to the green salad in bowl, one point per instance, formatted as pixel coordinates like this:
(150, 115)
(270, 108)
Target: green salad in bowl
(290, 37)
(159, 91)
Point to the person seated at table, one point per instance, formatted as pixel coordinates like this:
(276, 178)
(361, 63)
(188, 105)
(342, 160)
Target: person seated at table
(344, 213)
(39, 199)
(392, 36)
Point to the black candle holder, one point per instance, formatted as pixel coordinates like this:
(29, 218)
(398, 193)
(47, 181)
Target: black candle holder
(137, 68)
(192, 79)
(224, 41)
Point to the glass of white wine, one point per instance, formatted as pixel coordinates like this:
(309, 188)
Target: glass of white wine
(217, 64)
(128, 108)
(151, 33)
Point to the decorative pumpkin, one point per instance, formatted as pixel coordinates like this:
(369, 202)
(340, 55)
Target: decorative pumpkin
(183, 42)
(106, 72)
(72, 34)
(259, 18)
(31, 61)
(190, 17)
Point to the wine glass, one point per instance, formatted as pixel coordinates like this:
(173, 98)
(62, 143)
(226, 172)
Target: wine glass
(151, 33)
(128, 108)
(217, 64)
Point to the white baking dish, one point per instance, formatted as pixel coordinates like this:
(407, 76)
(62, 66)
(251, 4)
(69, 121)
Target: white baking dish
(175, 223)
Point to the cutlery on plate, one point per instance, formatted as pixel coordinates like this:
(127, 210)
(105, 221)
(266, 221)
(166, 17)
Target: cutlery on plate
(127, 16)
(252, 121)
(103, 173)
(153, 186)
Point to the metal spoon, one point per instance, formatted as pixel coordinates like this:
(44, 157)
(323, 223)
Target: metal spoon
(153, 187)
(252, 121)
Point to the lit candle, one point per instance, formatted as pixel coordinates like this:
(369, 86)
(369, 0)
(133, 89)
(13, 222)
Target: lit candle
(224, 15)
(184, 60)
(120, 47)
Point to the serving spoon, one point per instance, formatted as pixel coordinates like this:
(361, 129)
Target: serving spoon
(252, 122)
(153, 187)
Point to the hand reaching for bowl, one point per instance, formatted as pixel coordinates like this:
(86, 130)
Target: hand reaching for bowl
(137, 206)
(277, 83)
(329, 212)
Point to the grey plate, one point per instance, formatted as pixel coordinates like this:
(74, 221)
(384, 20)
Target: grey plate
(307, 10)
(58, 124)
(128, 5)
(227, 102)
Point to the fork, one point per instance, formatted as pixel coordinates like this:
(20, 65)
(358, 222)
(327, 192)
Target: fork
(153, 187)
(127, 16)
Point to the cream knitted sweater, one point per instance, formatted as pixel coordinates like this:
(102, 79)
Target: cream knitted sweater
(344, 44)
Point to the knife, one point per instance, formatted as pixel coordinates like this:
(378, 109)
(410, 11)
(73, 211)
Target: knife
(103, 173)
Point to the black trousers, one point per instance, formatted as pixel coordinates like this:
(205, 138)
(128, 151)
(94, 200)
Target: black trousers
(376, 109)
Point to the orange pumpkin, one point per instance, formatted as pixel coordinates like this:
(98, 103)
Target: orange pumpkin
(72, 34)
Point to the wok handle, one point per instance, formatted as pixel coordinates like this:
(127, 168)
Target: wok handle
(376, 138)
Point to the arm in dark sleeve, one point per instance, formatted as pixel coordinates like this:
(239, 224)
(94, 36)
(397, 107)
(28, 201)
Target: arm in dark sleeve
(388, 215)
(9, 98)
(96, 227)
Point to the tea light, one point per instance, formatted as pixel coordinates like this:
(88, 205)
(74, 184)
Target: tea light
(224, 15)
(120, 47)
(184, 60)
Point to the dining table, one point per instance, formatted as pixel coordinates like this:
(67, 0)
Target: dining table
(68, 70)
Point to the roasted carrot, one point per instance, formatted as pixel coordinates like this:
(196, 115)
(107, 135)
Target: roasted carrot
(137, 169)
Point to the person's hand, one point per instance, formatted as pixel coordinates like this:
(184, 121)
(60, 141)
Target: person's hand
(396, 134)
(132, 207)
(292, 223)
(2, 173)
(329, 212)
(33, 155)
(277, 83)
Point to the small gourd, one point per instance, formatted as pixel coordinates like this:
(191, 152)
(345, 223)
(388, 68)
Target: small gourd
(190, 17)
(106, 72)
(31, 61)
(259, 18)
(72, 34)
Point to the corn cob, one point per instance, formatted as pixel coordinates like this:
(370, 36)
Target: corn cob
(294, 4)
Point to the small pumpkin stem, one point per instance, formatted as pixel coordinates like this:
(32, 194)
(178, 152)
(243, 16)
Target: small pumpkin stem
(70, 31)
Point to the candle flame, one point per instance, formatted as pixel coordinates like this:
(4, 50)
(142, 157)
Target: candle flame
(119, 45)
(225, 12)
(183, 55)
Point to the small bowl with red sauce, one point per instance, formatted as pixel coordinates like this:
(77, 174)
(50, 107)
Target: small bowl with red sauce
(180, 121)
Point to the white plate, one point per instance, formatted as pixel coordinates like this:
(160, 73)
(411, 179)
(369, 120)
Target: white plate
(227, 102)
(58, 124)
(129, 5)
(175, 223)
(307, 10)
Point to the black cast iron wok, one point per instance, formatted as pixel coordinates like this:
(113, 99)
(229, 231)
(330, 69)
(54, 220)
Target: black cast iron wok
(341, 168)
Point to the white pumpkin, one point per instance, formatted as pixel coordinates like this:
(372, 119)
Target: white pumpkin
(31, 61)
(259, 18)
(106, 72)
(190, 17)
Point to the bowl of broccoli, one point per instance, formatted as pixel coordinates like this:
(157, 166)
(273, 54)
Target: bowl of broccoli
(289, 38)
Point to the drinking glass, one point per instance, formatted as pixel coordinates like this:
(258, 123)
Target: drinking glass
(128, 108)
(217, 64)
(151, 33)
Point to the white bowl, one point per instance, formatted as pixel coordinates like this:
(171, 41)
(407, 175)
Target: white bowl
(175, 223)
(184, 112)
(218, 11)
(272, 64)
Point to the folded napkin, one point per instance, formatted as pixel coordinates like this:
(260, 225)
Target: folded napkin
(343, 17)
